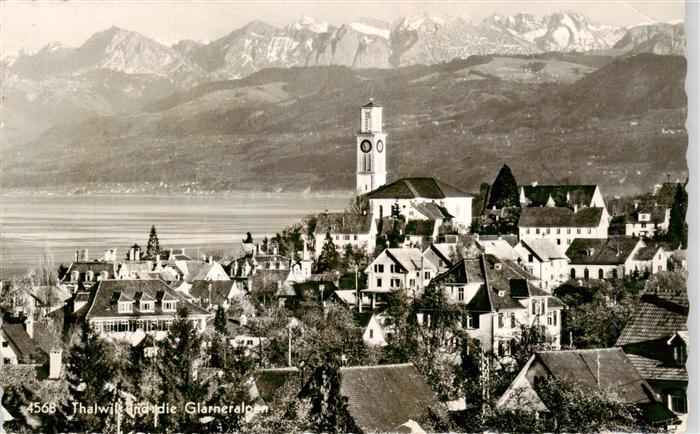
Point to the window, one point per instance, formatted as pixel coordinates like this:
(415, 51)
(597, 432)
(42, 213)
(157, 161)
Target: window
(590, 231)
(500, 349)
(346, 237)
(530, 258)
(537, 231)
(168, 306)
(460, 294)
(500, 320)
(555, 314)
(379, 283)
(679, 355)
(614, 273)
(586, 274)
(558, 242)
(5, 344)
(354, 237)
(337, 237)
(558, 231)
(394, 268)
(600, 273)
(568, 231)
(679, 404)
(125, 307)
(578, 231)
(146, 306)
(573, 273)
(527, 231)
(426, 275)
(378, 268)
(396, 283)
(412, 283)
(371, 333)
(547, 231)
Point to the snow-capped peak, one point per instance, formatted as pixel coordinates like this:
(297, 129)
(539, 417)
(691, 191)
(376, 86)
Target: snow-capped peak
(310, 24)
(366, 29)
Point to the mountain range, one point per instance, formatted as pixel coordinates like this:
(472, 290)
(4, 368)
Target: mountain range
(125, 108)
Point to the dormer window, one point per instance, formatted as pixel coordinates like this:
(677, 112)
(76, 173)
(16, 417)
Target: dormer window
(89, 275)
(75, 276)
(680, 354)
(147, 306)
(126, 307)
(169, 306)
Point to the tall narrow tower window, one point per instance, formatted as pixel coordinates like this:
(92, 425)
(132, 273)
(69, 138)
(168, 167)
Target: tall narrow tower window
(367, 127)
(368, 162)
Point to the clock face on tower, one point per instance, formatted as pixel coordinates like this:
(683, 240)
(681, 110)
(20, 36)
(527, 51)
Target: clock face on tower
(380, 146)
(366, 146)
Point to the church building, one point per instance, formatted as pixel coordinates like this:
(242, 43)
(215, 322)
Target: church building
(410, 196)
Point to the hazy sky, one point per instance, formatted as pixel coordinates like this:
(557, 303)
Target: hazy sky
(33, 24)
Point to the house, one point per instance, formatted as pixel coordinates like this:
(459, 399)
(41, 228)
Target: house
(597, 369)
(120, 308)
(567, 196)
(603, 259)
(648, 221)
(239, 334)
(33, 343)
(500, 246)
(377, 327)
(562, 225)
(37, 301)
(425, 211)
(356, 230)
(656, 341)
(498, 298)
(83, 274)
(210, 294)
(398, 269)
(651, 259)
(380, 398)
(544, 260)
(191, 270)
(403, 195)
(441, 254)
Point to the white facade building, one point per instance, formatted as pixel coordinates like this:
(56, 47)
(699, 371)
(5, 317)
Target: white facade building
(371, 149)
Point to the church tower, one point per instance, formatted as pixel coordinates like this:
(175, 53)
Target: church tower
(371, 149)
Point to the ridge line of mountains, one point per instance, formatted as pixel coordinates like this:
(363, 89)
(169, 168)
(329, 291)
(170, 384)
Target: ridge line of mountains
(276, 109)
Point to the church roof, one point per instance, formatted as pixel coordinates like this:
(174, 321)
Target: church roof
(371, 103)
(412, 188)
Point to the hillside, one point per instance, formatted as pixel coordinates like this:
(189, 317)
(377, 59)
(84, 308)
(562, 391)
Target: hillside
(560, 118)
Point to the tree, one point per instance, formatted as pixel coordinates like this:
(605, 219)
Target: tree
(329, 408)
(358, 205)
(677, 227)
(220, 320)
(90, 368)
(153, 246)
(504, 191)
(248, 238)
(329, 259)
(178, 359)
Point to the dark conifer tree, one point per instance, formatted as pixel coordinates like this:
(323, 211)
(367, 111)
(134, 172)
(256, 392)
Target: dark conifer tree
(677, 227)
(329, 259)
(504, 191)
(329, 409)
(153, 246)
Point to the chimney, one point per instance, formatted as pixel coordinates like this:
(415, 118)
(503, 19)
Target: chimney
(29, 326)
(55, 363)
(158, 265)
(131, 254)
(534, 183)
(85, 255)
(137, 254)
(77, 255)
(210, 260)
(114, 254)
(107, 256)
(274, 250)
(575, 207)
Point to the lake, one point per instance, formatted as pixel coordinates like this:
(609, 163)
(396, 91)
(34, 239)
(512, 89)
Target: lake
(63, 224)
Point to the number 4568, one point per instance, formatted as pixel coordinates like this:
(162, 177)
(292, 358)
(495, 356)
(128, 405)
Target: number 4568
(37, 407)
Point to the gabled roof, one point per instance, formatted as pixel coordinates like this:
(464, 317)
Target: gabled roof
(410, 259)
(371, 103)
(544, 249)
(414, 188)
(103, 304)
(508, 238)
(607, 368)
(442, 251)
(198, 270)
(657, 370)
(343, 223)
(499, 248)
(646, 253)
(383, 397)
(657, 214)
(560, 217)
(464, 271)
(17, 334)
(657, 316)
(220, 289)
(96, 267)
(609, 251)
(538, 195)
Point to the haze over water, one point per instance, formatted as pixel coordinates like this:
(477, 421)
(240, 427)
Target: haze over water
(98, 222)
